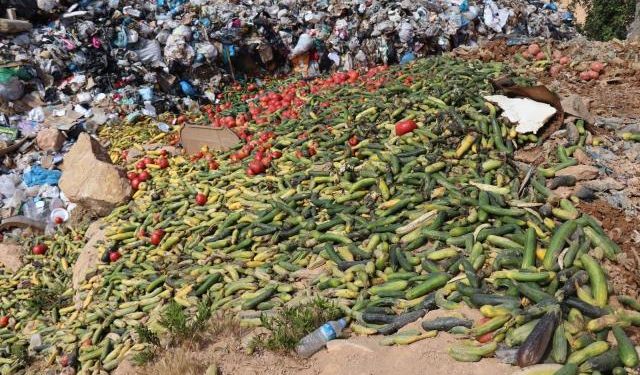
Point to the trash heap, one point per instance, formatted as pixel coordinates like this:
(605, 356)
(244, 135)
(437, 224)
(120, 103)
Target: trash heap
(83, 66)
(390, 193)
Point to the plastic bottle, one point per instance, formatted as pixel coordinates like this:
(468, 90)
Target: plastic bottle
(316, 340)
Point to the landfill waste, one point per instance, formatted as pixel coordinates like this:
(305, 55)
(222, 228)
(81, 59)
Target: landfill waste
(106, 67)
(399, 185)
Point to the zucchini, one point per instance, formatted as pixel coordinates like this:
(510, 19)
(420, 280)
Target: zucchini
(627, 350)
(592, 350)
(534, 347)
(560, 345)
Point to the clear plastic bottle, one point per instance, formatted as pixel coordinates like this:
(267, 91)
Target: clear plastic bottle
(316, 340)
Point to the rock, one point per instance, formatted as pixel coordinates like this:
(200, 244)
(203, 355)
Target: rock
(212, 370)
(563, 192)
(125, 368)
(580, 172)
(573, 136)
(584, 193)
(346, 345)
(11, 256)
(90, 180)
(89, 255)
(582, 157)
(561, 181)
(603, 184)
(50, 139)
(133, 154)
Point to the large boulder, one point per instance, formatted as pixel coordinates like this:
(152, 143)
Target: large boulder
(91, 180)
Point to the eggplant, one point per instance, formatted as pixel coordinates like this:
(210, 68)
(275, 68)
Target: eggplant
(377, 318)
(535, 346)
(401, 321)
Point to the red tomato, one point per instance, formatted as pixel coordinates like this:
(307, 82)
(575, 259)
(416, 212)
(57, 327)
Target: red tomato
(181, 119)
(353, 141)
(256, 166)
(156, 237)
(163, 163)
(132, 175)
(141, 164)
(406, 126)
(485, 338)
(163, 152)
(4, 321)
(144, 176)
(276, 154)
(250, 172)
(311, 150)
(213, 165)
(58, 220)
(148, 160)
(201, 199)
(114, 256)
(39, 249)
(299, 154)
(135, 183)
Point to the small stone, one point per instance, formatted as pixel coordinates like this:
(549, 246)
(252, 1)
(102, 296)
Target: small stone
(582, 157)
(584, 193)
(573, 136)
(212, 370)
(561, 181)
(341, 345)
(563, 192)
(50, 139)
(604, 184)
(580, 172)
(11, 256)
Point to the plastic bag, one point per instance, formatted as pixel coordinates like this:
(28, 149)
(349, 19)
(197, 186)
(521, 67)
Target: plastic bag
(149, 52)
(40, 176)
(7, 185)
(12, 89)
(305, 43)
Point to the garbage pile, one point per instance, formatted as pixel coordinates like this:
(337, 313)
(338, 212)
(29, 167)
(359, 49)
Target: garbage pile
(88, 65)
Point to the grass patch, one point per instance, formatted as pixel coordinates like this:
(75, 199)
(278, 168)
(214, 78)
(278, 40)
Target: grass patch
(291, 324)
(607, 19)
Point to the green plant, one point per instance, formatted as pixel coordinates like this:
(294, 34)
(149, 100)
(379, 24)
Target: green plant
(607, 19)
(146, 336)
(145, 356)
(177, 322)
(45, 298)
(291, 324)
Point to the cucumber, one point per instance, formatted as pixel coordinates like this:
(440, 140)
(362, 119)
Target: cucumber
(560, 345)
(445, 323)
(390, 286)
(568, 369)
(436, 280)
(592, 350)
(604, 362)
(626, 349)
(401, 321)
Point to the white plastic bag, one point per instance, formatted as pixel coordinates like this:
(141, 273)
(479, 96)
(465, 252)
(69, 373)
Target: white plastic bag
(305, 43)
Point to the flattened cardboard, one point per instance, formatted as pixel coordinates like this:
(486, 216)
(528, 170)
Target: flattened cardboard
(193, 137)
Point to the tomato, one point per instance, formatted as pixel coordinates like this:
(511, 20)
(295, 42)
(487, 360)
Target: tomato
(4, 321)
(144, 176)
(250, 172)
(114, 256)
(311, 150)
(163, 163)
(135, 183)
(252, 87)
(213, 165)
(58, 220)
(256, 166)
(181, 119)
(141, 164)
(276, 154)
(39, 249)
(132, 175)
(353, 141)
(266, 161)
(405, 126)
(485, 338)
(156, 237)
(201, 199)
(64, 360)
(148, 160)
(299, 154)
(163, 152)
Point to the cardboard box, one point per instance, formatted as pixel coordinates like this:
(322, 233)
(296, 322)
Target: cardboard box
(193, 137)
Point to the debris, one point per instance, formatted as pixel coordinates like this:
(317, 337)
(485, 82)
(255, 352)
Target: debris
(11, 256)
(89, 256)
(528, 114)
(50, 139)
(580, 172)
(90, 180)
(575, 105)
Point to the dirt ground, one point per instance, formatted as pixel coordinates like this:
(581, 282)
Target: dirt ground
(356, 355)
